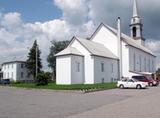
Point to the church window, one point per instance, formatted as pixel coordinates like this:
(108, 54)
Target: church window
(152, 65)
(134, 61)
(134, 20)
(145, 64)
(78, 67)
(102, 67)
(140, 63)
(112, 68)
(149, 65)
(134, 32)
(22, 65)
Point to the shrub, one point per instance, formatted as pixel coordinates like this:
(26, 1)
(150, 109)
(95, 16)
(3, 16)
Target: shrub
(42, 79)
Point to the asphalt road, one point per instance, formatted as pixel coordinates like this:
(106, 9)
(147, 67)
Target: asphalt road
(143, 104)
(129, 103)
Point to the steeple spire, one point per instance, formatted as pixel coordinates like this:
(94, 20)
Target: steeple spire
(135, 9)
(136, 25)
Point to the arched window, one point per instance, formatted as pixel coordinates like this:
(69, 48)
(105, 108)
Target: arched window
(134, 31)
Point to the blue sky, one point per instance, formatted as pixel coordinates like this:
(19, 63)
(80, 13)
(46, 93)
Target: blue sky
(32, 10)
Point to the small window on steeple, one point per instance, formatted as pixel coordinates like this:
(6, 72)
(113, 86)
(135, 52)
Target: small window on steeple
(134, 32)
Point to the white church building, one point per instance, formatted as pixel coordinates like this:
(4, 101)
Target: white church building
(107, 56)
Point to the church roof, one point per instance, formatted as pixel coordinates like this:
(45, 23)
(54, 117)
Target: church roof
(126, 39)
(14, 61)
(96, 49)
(69, 51)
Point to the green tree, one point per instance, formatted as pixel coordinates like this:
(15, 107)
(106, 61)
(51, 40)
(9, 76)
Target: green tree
(56, 47)
(31, 61)
(42, 79)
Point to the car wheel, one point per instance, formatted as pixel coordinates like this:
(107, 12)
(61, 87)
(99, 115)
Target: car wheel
(121, 86)
(139, 86)
(150, 84)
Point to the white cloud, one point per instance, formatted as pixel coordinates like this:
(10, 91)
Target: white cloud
(79, 17)
(11, 20)
(154, 45)
(75, 12)
(16, 36)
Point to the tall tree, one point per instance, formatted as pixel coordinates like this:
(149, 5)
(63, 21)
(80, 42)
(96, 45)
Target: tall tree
(56, 47)
(31, 61)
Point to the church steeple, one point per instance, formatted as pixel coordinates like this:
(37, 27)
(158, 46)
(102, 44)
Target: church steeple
(136, 25)
(135, 9)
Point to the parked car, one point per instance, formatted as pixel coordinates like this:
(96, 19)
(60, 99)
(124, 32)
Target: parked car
(155, 82)
(131, 83)
(5, 81)
(150, 81)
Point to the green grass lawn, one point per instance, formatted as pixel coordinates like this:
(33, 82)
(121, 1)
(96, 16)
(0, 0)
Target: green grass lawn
(53, 86)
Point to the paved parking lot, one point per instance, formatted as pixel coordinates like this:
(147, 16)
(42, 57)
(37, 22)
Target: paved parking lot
(129, 103)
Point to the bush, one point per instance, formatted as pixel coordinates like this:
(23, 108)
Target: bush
(49, 76)
(42, 79)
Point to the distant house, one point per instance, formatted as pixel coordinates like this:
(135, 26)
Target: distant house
(16, 71)
(108, 56)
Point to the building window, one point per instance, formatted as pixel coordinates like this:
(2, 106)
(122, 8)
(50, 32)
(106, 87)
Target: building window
(8, 75)
(140, 63)
(4, 76)
(12, 66)
(22, 65)
(21, 74)
(134, 61)
(28, 75)
(134, 31)
(78, 66)
(145, 64)
(12, 75)
(8, 66)
(112, 68)
(149, 65)
(152, 66)
(102, 67)
(4, 66)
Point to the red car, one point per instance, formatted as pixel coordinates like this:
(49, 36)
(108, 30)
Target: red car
(150, 81)
(155, 83)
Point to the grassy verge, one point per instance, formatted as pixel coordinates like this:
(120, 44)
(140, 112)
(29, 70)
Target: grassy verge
(53, 86)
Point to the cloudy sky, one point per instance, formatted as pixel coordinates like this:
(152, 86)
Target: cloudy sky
(23, 21)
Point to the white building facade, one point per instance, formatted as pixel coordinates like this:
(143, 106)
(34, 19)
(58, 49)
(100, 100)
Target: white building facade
(107, 56)
(16, 71)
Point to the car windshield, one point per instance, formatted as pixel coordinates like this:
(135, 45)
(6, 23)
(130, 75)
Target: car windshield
(130, 80)
(149, 78)
(135, 80)
(139, 77)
